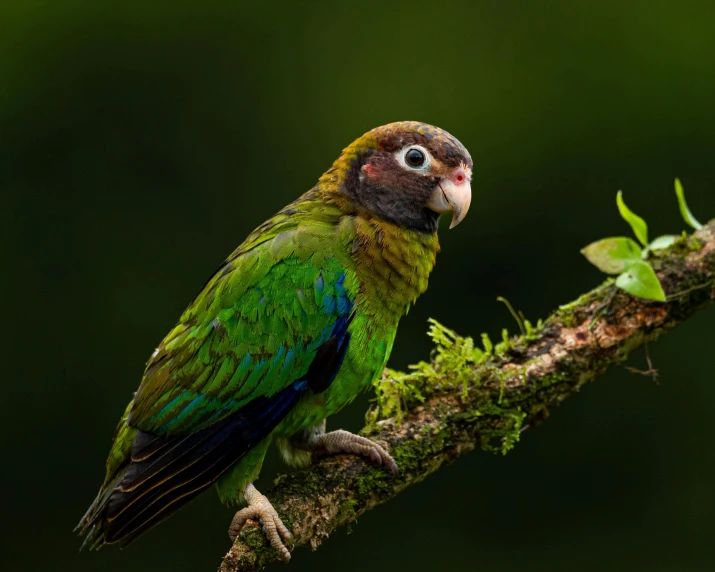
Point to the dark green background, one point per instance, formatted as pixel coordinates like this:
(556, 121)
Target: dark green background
(141, 141)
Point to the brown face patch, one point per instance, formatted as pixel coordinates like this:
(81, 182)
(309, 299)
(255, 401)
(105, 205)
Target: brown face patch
(379, 180)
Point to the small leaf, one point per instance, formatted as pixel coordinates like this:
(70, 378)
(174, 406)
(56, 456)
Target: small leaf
(663, 242)
(639, 226)
(640, 280)
(612, 255)
(684, 210)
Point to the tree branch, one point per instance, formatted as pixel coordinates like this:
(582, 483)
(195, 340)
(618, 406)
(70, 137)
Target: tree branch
(467, 398)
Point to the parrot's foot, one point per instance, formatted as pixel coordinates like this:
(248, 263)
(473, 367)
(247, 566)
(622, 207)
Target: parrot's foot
(260, 508)
(345, 442)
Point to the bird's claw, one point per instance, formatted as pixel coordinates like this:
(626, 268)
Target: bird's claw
(260, 508)
(341, 441)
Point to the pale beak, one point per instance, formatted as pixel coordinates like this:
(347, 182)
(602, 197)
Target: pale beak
(451, 197)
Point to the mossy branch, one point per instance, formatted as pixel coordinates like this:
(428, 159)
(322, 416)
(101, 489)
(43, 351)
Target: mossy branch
(468, 397)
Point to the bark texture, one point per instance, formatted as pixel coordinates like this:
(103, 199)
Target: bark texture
(468, 398)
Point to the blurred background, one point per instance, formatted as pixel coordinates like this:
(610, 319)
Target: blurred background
(141, 141)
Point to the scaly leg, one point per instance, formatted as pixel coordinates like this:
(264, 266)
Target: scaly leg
(260, 508)
(341, 441)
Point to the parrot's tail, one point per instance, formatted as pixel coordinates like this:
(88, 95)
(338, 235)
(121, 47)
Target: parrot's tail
(166, 472)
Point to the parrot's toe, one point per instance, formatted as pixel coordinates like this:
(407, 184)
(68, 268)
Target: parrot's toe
(345, 442)
(259, 508)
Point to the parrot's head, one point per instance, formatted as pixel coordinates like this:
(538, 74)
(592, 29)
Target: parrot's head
(408, 173)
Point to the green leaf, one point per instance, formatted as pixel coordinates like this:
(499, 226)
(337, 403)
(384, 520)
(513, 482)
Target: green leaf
(640, 280)
(663, 241)
(613, 255)
(639, 226)
(684, 210)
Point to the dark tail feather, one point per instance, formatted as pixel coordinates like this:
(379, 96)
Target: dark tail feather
(165, 473)
(161, 503)
(87, 526)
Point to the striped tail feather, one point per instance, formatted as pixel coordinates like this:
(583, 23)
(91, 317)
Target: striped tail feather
(165, 473)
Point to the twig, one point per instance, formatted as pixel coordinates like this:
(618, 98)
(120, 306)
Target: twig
(651, 371)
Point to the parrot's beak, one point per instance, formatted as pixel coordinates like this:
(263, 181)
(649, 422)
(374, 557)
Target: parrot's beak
(452, 195)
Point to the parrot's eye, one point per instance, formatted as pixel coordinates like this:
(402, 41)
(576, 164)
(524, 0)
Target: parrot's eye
(414, 157)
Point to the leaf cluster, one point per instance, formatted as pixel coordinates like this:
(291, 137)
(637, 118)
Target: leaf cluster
(624, 257)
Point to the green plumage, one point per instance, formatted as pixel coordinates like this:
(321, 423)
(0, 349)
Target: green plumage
(322, 268)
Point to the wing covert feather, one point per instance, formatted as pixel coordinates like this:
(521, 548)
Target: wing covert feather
(252, 331)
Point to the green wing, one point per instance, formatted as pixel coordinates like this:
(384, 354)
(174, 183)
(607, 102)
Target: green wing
(269, 326)
(253, 330)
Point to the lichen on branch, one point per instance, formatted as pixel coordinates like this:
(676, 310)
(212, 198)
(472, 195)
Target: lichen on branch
(469, 396)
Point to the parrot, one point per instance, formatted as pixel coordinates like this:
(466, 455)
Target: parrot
(298, 321)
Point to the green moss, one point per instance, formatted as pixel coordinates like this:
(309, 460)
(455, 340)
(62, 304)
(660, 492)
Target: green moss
(396, 392)
(693, 244)
(373, 481)
(686, 244)
(501, 427)
(347, 512)
(504, 346)
(511, 438)
(487, 343)
(567, 319)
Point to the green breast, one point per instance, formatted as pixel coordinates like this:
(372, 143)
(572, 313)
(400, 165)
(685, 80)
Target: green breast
(388, 269)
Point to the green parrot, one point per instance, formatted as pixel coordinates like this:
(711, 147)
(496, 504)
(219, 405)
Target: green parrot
(297, 321)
